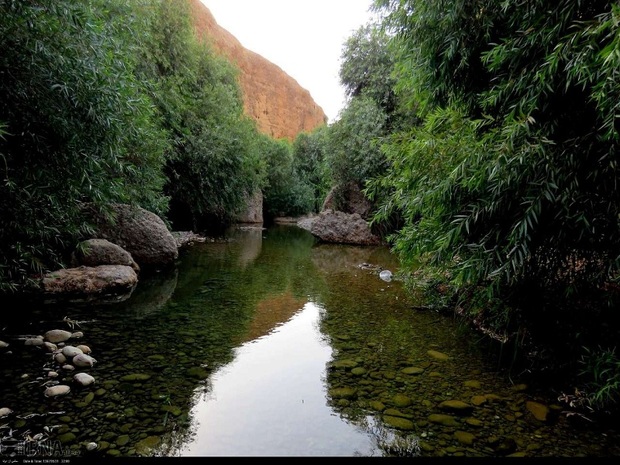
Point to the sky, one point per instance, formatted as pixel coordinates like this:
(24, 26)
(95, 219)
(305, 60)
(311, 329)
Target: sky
(303, 37)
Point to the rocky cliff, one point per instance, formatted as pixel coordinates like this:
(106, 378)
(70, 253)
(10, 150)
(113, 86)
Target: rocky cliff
(280, 106)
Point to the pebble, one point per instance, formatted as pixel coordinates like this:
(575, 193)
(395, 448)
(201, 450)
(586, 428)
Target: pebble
(60, 358)
(84, 349)
(50, 347)
(83, 360)
(3, 344)
(59, 390)
(4, 411)
(35, 341)
(70, 351)
(57, 335)
(77, 334)
(91, 446)
(83, 379)
(52, 374)
(68, 367)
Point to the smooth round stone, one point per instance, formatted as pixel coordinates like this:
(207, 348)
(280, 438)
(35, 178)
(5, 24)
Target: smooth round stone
(438, 355)
(68, 367)
(57, 335)
(52, 374)
(50, 347)
(412, 371)
(70, 351)
(5, 411)
(91, 446)
(59, 390)
(77, 334)
(84, 348)
(35, 341)
(464, 437)
(83, 379)
(3, 344)
(83, 360)
(60, 358)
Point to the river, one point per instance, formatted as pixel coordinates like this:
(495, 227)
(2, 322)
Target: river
(267, 343)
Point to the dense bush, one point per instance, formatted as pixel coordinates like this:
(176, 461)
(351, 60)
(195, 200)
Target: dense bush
(76, 128)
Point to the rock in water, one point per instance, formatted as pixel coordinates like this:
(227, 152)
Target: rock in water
(83, 379)
(386, 275)
(70, 351)
(57, 335)
(59, 390)
(83, 360)
(4, 411)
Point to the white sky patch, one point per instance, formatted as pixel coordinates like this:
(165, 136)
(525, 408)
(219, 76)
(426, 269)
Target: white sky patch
(304, 38)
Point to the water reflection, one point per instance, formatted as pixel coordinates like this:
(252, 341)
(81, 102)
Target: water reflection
(271, 400)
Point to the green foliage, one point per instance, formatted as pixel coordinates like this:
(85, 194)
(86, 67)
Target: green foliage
(354, 154)
(309, 161)
(212, 163)
(286, 192)
(367, 67)
(511, 182)
(77, 128)
(601, 370)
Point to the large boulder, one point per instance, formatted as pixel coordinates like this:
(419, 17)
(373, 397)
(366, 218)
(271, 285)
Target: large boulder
(340, 228)
(95, 252)
(348, 198)
(253, 213)
(87, 283)
(141, 233)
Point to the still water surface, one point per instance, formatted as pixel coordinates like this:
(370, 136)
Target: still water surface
(269, 344)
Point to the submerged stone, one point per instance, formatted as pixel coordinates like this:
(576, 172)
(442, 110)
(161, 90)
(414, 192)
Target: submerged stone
(144, 446)
(441, 419)
(539, 411)
(412, 371)
(438, 355)
(401, 400)
(398, 422)
(136, 377)
(343, 393)
(456, 406)
(464, 437)
(474, 384)
(344, 364)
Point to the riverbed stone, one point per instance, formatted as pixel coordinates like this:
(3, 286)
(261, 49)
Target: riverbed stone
(145, 446)
(343, 393)
(377, 405)
(358, 371)
(401, 400)
(456, 406)
(398, 422)
(344, 364)
(57, 335)
(198, 373)
(136, 377)
(478, 400)
(122, 440)
(472, 383)
(538, 410)
(442, 419)
(438, 355)
(59, 390)
(464, 437)
(66, 437)
(412, 371)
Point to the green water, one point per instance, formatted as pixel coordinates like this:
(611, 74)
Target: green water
(268, 344)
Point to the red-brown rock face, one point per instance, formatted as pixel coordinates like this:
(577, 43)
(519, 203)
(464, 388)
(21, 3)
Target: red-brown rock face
(276, 101)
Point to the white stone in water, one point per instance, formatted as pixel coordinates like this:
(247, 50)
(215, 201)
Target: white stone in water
(52, 374)
(77, 334)
(34, 341)
(3, 344)
(91, 446)
(59, 390)
(68, 367)
(83, 379)
(49, 346)
(84, 349)
(386, 275)
(4, 411)
(83, 360)
(57, 335)
(70, 351)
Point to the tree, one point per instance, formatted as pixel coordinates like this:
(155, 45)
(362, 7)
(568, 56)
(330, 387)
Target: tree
(520, 101)
(77, 128)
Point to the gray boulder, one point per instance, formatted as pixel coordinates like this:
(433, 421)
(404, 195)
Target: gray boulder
(141, 233)
(95, 252)
(340, 228)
